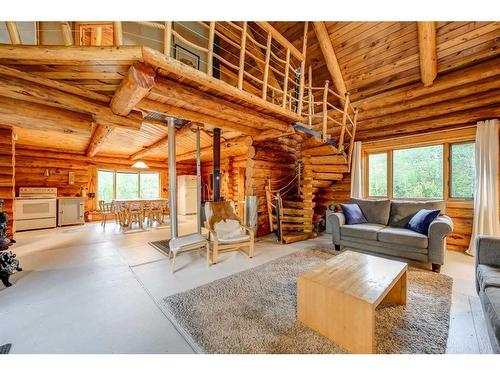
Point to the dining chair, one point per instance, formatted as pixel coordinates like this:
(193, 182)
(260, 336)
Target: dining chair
(105, 209)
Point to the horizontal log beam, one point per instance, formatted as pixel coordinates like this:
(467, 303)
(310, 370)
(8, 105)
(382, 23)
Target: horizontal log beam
(139, 80)
(61, 55)
(170, 65)
(39, 117)
(36, 93)
(169, 110)
(180, 95)
(427, 51)
(101, 133)
(237, 143)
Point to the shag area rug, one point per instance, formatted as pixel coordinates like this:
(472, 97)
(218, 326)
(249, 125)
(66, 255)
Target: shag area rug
(254, 311)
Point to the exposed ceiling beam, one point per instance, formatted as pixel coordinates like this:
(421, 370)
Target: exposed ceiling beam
(63, 54)
(39, 117)
(67, 33)
(331, 61)
(160, 143)
(36, 93)
(170, 110)
(230, 145)
(135, 86)
(101, 133)
(427, 51)
(281, 39)
(31, 77)
(13, 32)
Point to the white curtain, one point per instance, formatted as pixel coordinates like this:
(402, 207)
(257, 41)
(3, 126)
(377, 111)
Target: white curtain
(486, 200)
(356, 172)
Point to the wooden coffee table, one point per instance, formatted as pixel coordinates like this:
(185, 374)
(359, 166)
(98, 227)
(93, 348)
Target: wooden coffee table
(338, 298)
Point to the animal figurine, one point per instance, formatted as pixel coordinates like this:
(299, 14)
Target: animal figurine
(8, 265)
(8, 262)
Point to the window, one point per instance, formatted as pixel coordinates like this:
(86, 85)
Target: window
(377, 175)
(418, 172)
(150, 184)
(127, 185)
(462, 170)
(106, 185)
(436, 171)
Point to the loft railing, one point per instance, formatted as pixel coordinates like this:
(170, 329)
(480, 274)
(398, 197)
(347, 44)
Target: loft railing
(252, 56)
(330, 119)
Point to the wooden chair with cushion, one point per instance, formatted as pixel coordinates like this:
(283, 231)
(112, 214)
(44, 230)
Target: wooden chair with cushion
(225, 230)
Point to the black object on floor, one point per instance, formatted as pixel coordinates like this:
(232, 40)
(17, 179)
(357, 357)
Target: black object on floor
(162, 246)
(5, 349)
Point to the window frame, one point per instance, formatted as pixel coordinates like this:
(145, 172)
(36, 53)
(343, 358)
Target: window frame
(138, 173)
(367, 193)
(374, 148)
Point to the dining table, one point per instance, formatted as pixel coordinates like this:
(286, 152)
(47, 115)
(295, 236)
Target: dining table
(136, 210)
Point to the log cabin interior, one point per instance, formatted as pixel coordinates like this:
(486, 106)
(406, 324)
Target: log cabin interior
(125, 144)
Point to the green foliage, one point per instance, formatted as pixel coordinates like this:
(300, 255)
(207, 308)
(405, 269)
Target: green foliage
(377, 175)
(463, 170)
(105, 184)
(127, 185)
(150, 185)
(418, 172)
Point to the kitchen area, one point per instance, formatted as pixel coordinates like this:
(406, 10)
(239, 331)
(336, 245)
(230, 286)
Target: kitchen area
(42, 208)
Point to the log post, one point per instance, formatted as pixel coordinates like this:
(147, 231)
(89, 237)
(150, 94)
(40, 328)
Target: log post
(210, 55)
(67, 34)
(135, 86)
(216, 164)
(325, 111)
(266, 66)
(242, 55)
(427, 51)
(13, 32)
(302, 69)
(285, 82)
(167, 38)
(353, 136)
(311, 98)
(344, 122)
(117, 33)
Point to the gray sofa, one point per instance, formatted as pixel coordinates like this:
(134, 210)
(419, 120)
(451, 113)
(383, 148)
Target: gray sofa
(488, 284)
(385, 232)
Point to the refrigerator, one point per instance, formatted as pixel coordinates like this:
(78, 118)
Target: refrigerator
(186, 195)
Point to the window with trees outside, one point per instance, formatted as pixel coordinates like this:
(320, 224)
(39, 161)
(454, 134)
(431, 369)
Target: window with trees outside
(127, 185)
(419, 172)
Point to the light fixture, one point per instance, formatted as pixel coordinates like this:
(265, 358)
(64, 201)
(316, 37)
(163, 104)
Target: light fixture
(140, 165)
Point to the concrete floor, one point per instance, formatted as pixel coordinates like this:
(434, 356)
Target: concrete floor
(89, 290)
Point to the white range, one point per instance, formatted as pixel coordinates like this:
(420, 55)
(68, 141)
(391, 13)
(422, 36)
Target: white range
(36, 208)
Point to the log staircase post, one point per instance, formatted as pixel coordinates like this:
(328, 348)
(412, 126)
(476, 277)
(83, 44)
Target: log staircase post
(302, 69)
(344, 122)
(353, 136)
(167, 38)
(242, 55)
(325, 111)
(266, 66)
(285, 81)
(210, 55)
(311, 98)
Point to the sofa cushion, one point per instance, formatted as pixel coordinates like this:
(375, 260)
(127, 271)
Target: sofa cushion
(490, 299)
(488, 276)
(404, 237)
(353, 214)
(402, 211)
(366, 231)
(421, 221)
(375, 211)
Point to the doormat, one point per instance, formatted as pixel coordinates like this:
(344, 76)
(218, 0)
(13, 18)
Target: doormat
(162, 246)
(5, 349)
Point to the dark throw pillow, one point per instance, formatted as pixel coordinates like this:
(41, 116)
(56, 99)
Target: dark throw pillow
(353, 214)
(421, 221)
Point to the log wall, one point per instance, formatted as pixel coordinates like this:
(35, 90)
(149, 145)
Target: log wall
(7, 172)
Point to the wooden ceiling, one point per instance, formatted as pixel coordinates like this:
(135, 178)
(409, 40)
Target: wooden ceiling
(375, 58)
(378, 56)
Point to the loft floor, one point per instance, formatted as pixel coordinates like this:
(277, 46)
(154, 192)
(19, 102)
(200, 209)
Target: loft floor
(83, 291)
